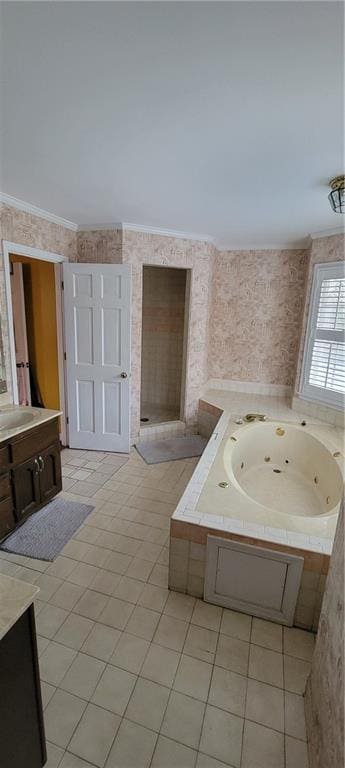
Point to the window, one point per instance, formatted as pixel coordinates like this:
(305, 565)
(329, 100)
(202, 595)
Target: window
(323, 370)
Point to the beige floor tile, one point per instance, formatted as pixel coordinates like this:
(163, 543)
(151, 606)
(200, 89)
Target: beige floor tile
(49, 619)
(101, 642)
(114, 689)
(160, 665)
(42, 644)
(262, 747)
(233, 654)
(294, 716)
(77, 550)
(74, 631)
(55, 661)
(83, 574)
(105, 582)
(265, 705)
(89, 534)
(153, 597)
(129, 589)
(91, 604)
(267, 634)
(228, 691)
(130, 653)
(266, 666)
(95, 734)
(54, 755)
(62, 716)
(82, 676)
(62, 567)
(296, 753)
(133, 746)
(183, 719)
(149, 551)
(296, 672)
(139, 569)
(201, 643)
(143, 622)
(206, 615)
(236, 624)
(172, 755)
(171, 632)
(97, 556)
(222, 736)
(205, 761)
(116, 613)
(180, 606)
(72, 761)
(148, 704)
(159, 576)
(47, 691)
(193, 678)
(299, 643)
(67, 596)
(48, 586)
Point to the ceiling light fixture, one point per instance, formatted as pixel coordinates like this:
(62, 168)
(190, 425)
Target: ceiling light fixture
(337, 196)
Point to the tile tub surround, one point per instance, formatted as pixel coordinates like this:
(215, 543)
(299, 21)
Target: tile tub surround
(193, 519)
(125, 664)
(325, 687)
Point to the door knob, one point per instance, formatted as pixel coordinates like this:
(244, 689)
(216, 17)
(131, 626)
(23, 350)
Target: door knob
(123, 375)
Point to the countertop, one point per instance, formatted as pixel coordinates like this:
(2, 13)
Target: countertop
(39, 416)
(15, 598)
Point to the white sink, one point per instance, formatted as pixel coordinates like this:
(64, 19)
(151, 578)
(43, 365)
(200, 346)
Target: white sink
(15, 419)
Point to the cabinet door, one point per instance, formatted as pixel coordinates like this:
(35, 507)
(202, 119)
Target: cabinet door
(50, 472)
(26, 488)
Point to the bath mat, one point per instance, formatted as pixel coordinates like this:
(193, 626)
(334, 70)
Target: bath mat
(46, 532)
(155, 452)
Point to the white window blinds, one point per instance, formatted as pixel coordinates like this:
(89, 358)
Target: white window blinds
(324, 363)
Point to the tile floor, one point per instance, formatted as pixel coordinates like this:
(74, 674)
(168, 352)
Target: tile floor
(158, 414)
(136, 676)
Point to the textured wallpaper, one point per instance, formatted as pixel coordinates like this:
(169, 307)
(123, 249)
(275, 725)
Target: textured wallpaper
(257, 301)
(100, 246)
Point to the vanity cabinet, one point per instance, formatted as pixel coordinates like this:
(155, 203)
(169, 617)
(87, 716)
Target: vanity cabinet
(30, 474)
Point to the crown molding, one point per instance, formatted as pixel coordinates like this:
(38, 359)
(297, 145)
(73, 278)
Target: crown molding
(327, 232)
(166, 232)
(21, 205)
(99, 227)
(292, 245)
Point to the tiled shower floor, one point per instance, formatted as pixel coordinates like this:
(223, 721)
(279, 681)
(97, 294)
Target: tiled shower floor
(157, 414)
(135, 676)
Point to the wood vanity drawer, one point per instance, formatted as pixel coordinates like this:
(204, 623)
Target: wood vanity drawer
(5, 485)
(7, 521)
(5, 457)
(35, 441)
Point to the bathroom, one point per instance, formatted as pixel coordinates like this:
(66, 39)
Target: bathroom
(171, 516)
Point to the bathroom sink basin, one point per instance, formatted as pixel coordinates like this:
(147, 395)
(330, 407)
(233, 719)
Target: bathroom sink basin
(15, 419)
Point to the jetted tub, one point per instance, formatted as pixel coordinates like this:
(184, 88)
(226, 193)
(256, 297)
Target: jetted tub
(282, 467)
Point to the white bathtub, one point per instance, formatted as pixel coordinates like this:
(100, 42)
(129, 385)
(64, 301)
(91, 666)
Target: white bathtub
(284, 468)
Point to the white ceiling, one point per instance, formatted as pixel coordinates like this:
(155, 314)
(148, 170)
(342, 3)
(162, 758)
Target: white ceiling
(219, 118)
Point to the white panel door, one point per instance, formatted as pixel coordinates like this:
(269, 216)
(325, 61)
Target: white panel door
(97, 304)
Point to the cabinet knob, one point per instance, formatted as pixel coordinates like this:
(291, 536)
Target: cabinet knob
(37, 467)
(41, 463)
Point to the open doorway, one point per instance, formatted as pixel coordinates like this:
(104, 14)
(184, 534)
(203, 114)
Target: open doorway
(35, 331)
(164, 335)
(33, 289)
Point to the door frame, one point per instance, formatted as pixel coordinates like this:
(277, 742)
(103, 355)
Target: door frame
(57, 259)
(186, 331)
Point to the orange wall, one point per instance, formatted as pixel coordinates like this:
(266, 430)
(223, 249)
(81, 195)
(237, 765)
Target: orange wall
(41, 327)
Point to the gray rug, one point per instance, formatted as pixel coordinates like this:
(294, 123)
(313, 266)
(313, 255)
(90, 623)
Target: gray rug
(46, 532)
(154, 452)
